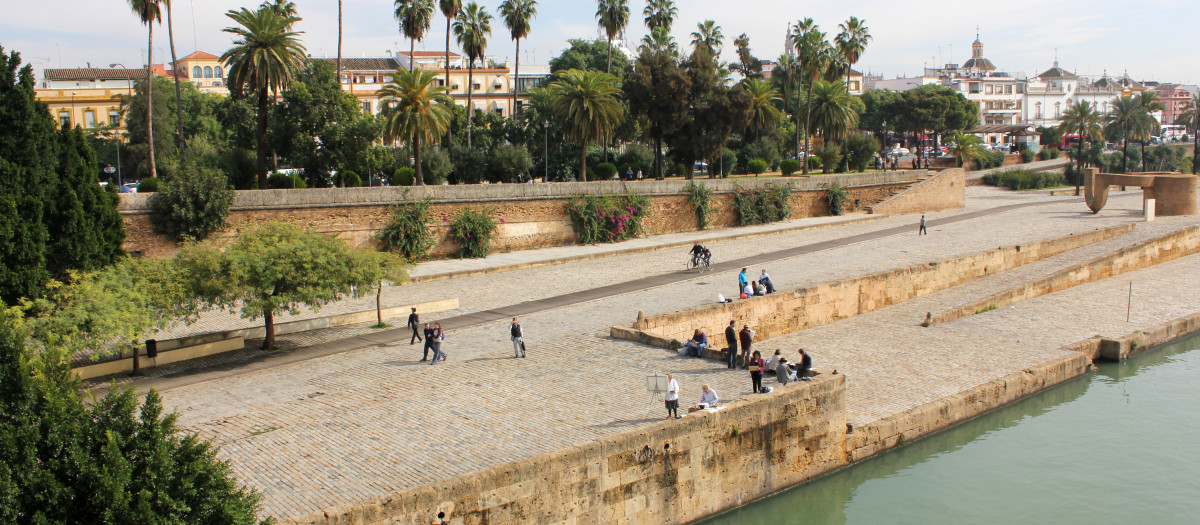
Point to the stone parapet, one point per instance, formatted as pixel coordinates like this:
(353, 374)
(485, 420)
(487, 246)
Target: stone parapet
(943, 191)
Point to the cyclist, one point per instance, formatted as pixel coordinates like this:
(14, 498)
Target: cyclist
(699, 252)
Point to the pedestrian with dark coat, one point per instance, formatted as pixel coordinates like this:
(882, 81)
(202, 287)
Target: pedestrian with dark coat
(731, 341)
(746, 337)
(428, 342)
(756, 371)
(518, 338)
(414, 322)
(804, 366)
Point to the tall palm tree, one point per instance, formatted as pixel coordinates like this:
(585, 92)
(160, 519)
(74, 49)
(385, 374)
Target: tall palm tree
(420, 113)
(833, 110)
(1191, 119)
(149, 12)
(1146, 123)
(814, 54)
(1082, 118)
(265, 57)
(785, 73)
(1122, 121)
(764, 114)
(709, 35)
(450, 10)
(471, 29)
(414, 16)
(590, 105)
(175, 74)
(613, 16)
(660, 13)
(659, 40)
(284, 8)
(338, 65)
(851, 42)
(517, 14)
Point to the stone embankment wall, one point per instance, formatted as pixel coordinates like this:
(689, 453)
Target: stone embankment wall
(787, 312)
(533, 213)
(943, 191)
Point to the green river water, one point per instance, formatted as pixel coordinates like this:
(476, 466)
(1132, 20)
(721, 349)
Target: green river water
(1121, 445)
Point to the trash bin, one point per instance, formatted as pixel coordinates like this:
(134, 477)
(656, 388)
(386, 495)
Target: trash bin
(151, 348)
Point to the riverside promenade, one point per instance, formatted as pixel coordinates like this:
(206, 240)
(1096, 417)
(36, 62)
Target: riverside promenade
(343, 415)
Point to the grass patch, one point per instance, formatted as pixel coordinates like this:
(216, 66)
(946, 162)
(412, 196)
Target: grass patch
(260, 431)
(381, 325)
(987, 308)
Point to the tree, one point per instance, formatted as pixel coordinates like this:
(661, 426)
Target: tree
(472, 28)
(815, 55)
(589, 55)
(373, 268)
(748, 65)
(833, 110)
(450, 10)
(319, 127)
(966, 147)
(149, 12)
(714, 111)
(338, 65)
(659, 40)
(1081, 118)
(420, 112)
(765, 115)
(274, 267)
(613, 16)
(85, 230)
(414, 16)
(517, 14)
(265, 56)
(1123, 121)
(175, 76)
(785, 75)
(68, 459)
(657, 89)
(1147, 125)
(851, 42)
(590, 104)
(708, 35)
(194, 204)
(1191, 118)
(660, 14)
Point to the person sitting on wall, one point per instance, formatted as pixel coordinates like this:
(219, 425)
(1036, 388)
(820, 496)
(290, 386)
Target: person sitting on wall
(759, 289)
(774, 361)
(697, 343)
(783, 373)
(766, 281)
(708, 399)
(804, 366)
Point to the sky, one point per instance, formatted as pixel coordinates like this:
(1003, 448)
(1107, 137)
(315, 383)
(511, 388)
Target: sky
(1152, 41)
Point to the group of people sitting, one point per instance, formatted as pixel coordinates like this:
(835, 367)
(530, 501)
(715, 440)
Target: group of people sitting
(748, 288)
(786, 372)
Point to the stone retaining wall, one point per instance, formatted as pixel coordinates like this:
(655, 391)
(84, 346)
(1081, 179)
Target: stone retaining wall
(786, 312)
(944, 191)
(533, 213)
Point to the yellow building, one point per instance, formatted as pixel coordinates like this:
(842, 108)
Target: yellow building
(89, 97)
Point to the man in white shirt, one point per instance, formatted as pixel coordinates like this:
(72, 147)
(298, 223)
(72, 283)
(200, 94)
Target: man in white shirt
(672, 397)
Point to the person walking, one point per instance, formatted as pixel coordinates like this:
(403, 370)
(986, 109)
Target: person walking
(803, 366)
(672, 397)
(921, 230)
(731, 341)
(428, 342)
(438, 337)
(756, 371)
(518, 338)
(414, 322)
(746, 337)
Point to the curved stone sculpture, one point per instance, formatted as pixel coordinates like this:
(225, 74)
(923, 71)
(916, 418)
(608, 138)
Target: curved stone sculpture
(1173, 193)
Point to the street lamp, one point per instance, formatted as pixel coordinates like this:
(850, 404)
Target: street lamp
(72, 119)
(546, 153)
(885, 147)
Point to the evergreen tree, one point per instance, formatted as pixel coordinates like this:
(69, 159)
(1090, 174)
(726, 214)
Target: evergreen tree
(85, 229)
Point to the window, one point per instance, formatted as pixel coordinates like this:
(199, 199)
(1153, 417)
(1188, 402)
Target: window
(499, 112)
(441, 82)
(207, 72)
(217, 72)
(987, 90)
(1057, 109)
(973, 87)
(64, 119)
(367, 107)
(196, 73)
(1038, 110)
(475, 86)
(114, 118)
(89, 118)
(1008, 89)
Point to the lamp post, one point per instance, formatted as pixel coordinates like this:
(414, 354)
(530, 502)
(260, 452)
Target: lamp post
(129, 88)
(546, 153)
(885, 148)
(72, 119)
(118, 161)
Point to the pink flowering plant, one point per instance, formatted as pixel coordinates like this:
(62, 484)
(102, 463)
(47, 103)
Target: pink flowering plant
(472, 230)
(607, 218)
(408, 234)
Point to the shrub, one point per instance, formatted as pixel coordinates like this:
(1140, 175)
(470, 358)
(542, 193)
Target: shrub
(814, 163)
(861, 150)
(1027, 155)
(1018, 180)
(756, 166)
(408, 234)
(508, 163)
(789, 166)
(991, 159)
(760, 206)
(1054, 153)
(193, 205)
(404, 176)
(149, 185)
(435, 166)
(678, 170)
(351, 179)
(637, 157)
(830, 155)
(470, 165)
(282, 181)
(836, 197)
(763, 148)
(603, 171)
(607, 218)
(472, 230)
(700, 197)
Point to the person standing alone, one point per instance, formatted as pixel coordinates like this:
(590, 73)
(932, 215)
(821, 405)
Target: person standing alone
(747, 337)
(731, 340)
(518, 338)
(672, 398)
(921, 230)
(414, 322)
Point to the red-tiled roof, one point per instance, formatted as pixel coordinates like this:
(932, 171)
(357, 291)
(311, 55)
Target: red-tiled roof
(96, 73)
(419, 54)
(363, 64)
(201, 55)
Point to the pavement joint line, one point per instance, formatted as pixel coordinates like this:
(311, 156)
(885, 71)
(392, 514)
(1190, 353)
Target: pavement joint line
(385, 337)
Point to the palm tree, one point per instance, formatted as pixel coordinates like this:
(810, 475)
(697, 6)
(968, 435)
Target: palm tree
(471, 29)
(1146, 123)
(590, 105)
(175, 74)
(284, 8)
(1080, 117)
(763, 96)
(420, 113)
(613, 16)
(833, 110)
(1191, 118)
(149, 12)
(659, 40)
(517, 14)
(338, 65)
(414, 16)
(966, 147)
(815, 55)
(265, 56)
(785, 73)
(450, 10)
(851, 42)
(709, 35)
(1121, 122)
(660, 13)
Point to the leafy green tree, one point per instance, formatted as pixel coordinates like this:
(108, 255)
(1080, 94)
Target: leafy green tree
(613, 16)
(1082, 119)
(749, 66)
(415, 17)
(149, 12)
(589, 55)
(659, 40)
(420, 111)
(714, 110)
(85, 230)
(472, 28)
(194, 204)
(375, 268)
(1191, 119)
(508, 163)
(1122, 122)
(657, 90)
(316, 122)
(708, 35)
(589, 102)
(265, 57)
(450, 10)
(765, 115)
(815, 55)
(1147, 125)
(67, 459)
(851, 42)
(660, 14)
(517, 14)
(860, 150)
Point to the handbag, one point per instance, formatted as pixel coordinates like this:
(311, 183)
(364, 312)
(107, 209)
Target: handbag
(522, 346)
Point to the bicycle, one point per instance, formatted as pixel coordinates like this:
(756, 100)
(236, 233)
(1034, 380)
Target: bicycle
(698, 263)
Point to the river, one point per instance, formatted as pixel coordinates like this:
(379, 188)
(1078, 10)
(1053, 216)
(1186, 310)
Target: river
(1119, 445)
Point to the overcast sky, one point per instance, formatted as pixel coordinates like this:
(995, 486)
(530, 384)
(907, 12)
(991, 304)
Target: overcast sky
(1151, 40)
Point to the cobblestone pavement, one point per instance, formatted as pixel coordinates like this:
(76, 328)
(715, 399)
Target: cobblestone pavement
(358, 424)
